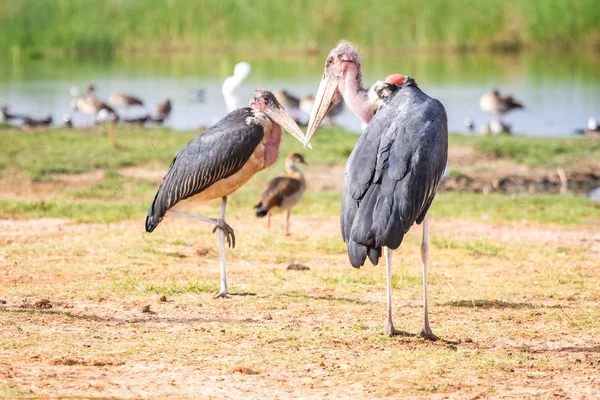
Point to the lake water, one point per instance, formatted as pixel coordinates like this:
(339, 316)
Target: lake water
(559, 91)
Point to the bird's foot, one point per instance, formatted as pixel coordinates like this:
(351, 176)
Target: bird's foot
(227, 230)
(426, 333)
(390, 331)
(227, 295)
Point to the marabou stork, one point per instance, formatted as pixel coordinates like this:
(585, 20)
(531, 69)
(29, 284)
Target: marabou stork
(232, 85)
(221, 160)
(498, 105)
(283, 192)
(394, 171)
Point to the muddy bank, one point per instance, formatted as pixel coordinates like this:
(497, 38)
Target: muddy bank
(557, 182)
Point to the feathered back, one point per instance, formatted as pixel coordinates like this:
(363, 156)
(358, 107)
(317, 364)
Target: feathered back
(393, 173)
(217, 153)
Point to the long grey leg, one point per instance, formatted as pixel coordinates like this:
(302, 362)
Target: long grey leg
(389, 329)
(389, 326)
(224, 231)
(221, 235)
(425, 330)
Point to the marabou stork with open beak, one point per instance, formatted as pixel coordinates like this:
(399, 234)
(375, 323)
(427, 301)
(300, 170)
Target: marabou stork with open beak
(393, 173)
(222, 159)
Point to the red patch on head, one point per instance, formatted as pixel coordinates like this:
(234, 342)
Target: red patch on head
(396, 79)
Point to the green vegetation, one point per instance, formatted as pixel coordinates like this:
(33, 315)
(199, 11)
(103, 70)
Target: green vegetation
(533, 152)
(112, 195)
(104, 28)
(39, 155)
(566, 210)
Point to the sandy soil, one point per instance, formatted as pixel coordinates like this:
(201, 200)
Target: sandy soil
(76, 320)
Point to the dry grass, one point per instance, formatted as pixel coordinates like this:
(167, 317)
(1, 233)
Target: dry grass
(522, 298)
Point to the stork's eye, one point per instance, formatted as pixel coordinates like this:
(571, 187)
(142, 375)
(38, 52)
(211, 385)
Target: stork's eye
(329, 60)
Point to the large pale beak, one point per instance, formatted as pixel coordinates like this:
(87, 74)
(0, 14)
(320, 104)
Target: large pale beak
(324, 100)
(282, 118)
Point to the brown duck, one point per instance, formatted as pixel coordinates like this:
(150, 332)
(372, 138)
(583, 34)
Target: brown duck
(283, 192)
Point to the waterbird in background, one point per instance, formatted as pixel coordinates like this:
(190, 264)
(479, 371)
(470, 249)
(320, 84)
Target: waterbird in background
(30, 122)
(163, 110)
(67, 122)
(232, 86)
(197, 95)
(287, 100)
(393, 173)
(592, 129)
(469, 124)
(119, 99)
(222, 159)
(290, 102)
(283, 192)
(307, 102)
(89, 104)
(496, 127)
(6, 115)
(497, 105)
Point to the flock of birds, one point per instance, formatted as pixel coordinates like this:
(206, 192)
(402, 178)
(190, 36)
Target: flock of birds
(391, 177)
(492, 102)
(91, 105)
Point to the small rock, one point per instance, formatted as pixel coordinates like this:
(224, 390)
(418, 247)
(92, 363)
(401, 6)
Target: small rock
(43, 304)
(468, 340)
(162, 299)
(268, 317)
(2, 301)
(146, 308)
(297, 267)
(244, 370)
(202, 251)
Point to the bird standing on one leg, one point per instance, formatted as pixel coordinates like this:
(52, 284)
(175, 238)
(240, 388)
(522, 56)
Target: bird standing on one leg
(283, 192)
(222, 159)
(393, 173)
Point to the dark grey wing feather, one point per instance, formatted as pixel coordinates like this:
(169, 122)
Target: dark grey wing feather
(393, 173)
(217, 153)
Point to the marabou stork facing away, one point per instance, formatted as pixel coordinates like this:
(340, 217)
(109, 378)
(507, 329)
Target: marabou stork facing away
(498, 105)
(283, 192)
(394, 171)
(221, 160)
(233, 85)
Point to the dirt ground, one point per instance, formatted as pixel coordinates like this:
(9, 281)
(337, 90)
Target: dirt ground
(105, 310)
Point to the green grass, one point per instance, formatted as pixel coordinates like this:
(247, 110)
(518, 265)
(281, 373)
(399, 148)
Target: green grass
(565, 210)
(81, 28)
(37, 156)
(533, 151)
(80, 211)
